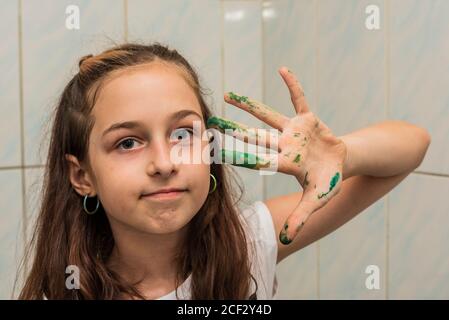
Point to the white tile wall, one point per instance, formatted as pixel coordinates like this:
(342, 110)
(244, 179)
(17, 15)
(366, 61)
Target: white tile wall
(50, 57)
(420, 73)
(9, 85)
(352, 77)
(419, 254)
(11, 226)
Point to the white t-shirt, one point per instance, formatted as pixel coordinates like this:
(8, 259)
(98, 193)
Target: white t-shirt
(261, 232)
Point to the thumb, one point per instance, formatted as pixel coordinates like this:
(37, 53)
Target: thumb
(296, 221)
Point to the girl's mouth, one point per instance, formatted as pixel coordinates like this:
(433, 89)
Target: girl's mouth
(165, 194)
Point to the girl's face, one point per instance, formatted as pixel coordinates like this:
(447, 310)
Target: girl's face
(139, 115)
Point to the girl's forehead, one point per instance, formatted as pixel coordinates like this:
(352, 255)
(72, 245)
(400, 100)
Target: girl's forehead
(153, 75)
(152, 92)
(149, 84)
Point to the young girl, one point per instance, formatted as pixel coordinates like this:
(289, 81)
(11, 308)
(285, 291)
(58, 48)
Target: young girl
(134, 224)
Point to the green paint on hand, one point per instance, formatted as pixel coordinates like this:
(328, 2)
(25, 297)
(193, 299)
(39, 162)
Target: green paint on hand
(222, 124)
(306, 182)
(244, 159)
(238, 98)
(283, 236)
(297, 158)
(332, 184)
(284, 239)
(244, 99)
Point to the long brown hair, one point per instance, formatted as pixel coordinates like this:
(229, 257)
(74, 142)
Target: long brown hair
(214, 253)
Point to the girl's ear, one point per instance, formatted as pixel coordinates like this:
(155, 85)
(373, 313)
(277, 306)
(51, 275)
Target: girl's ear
(79, 178)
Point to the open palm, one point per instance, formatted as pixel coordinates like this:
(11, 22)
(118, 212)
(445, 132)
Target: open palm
(306, 149)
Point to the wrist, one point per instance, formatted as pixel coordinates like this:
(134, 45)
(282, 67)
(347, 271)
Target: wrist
(350, 162)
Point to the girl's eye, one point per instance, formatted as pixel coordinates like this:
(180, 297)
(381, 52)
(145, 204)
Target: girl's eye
(127, 143)
(181, 134)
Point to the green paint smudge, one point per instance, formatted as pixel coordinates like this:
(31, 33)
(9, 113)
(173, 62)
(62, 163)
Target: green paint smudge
(238, 98)
(297, 158)
(306, 182)
(332, 184)
(283, 236)
(251, 105)
(244, 159)
(222, 124)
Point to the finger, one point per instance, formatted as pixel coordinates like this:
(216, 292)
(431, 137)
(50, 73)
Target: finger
(250, 160)
(256, 136)
(295, 222)
(310, 202)
(296, 91)
(258, 109)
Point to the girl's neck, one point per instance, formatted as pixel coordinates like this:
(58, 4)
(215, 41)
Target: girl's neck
(148, 257)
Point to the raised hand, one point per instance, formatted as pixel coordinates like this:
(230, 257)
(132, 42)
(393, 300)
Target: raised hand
(306, 149)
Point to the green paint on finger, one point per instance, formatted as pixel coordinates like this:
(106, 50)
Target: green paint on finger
(332, 184)
(283, 236)
(284, 239)
(241, 99)
(244, 159)
(250, 104)
(238, 98)
(222, 124)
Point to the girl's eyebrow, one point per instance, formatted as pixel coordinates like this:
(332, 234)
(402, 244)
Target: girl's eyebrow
(137, 124)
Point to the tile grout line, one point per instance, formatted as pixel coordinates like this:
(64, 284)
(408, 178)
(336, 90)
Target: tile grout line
(317, 55)
(432, 174)
(22, 134)
(263, 97)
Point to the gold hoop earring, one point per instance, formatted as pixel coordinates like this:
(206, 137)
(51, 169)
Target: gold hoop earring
(215, 183)
(85, 205)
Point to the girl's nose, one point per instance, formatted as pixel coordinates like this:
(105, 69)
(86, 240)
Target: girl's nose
(159, 160)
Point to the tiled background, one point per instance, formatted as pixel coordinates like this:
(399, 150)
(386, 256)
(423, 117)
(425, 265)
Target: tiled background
(352, 76)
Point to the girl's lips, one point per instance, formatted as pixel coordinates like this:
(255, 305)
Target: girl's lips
(172, 195)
